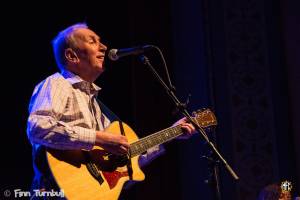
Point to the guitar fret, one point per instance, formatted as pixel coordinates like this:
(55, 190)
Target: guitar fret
(149, 142)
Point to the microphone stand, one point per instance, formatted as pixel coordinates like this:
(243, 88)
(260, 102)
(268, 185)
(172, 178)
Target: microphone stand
(182, 108)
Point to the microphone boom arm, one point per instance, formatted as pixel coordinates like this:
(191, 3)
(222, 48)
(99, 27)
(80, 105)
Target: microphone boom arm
(183, 110)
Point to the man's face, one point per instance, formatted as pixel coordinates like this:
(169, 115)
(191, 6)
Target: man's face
(90, 51)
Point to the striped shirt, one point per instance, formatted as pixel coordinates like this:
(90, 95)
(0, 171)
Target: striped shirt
(64, 113)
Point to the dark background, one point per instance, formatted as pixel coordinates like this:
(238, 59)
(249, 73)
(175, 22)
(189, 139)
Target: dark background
(238, 58)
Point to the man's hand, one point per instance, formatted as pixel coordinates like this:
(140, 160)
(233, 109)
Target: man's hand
(113, 143)
(188, 128)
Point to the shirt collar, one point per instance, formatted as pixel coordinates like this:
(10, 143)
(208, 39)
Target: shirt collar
(74, 79)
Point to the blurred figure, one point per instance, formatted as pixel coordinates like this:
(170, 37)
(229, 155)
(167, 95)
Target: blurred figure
(274, 192)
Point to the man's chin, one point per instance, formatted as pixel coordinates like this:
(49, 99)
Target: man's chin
(100, 68)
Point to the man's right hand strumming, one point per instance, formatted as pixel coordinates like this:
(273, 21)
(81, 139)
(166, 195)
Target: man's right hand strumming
(113, 143)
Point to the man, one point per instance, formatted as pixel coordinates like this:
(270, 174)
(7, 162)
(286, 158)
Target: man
(64, 112)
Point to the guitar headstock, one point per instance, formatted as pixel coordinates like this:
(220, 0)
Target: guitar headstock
(205, 118)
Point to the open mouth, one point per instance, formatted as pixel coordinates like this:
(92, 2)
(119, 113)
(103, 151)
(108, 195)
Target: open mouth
(100, 57)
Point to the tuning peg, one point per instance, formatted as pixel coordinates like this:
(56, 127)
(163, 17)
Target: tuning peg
(194, 113)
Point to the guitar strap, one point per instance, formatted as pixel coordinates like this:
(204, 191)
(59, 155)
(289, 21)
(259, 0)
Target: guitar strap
(113, 117)
(106, 111)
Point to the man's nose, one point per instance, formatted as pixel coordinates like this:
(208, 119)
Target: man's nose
(102, 47)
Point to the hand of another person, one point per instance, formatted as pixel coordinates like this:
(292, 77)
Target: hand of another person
(113, 143)
(188, 128)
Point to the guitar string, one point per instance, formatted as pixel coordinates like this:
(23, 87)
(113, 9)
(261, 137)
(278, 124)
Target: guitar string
(157, 138)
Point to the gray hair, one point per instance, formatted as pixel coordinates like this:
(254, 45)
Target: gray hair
(65, 39)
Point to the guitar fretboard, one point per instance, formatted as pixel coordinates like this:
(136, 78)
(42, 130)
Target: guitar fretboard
(154, 139)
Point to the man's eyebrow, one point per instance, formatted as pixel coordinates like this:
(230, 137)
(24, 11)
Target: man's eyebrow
(95, 37)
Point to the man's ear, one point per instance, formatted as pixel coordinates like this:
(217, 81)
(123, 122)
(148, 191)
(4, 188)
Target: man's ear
(71, 56)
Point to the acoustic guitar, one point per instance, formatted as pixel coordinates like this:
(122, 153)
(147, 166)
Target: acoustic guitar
(97, 174)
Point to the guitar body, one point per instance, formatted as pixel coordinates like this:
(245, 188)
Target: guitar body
(69, 168)
(96, 174)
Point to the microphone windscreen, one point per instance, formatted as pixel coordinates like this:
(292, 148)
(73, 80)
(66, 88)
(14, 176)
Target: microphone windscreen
(112, 54)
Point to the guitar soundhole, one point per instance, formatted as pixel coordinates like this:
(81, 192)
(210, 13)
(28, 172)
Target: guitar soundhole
(119, 161)
(107, 162)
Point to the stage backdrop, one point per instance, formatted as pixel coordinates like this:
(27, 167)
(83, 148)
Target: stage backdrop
(237, 58)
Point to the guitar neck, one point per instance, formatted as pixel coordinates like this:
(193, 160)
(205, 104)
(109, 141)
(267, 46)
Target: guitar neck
(154, 139)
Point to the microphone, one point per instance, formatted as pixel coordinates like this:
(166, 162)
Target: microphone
(115, 54)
